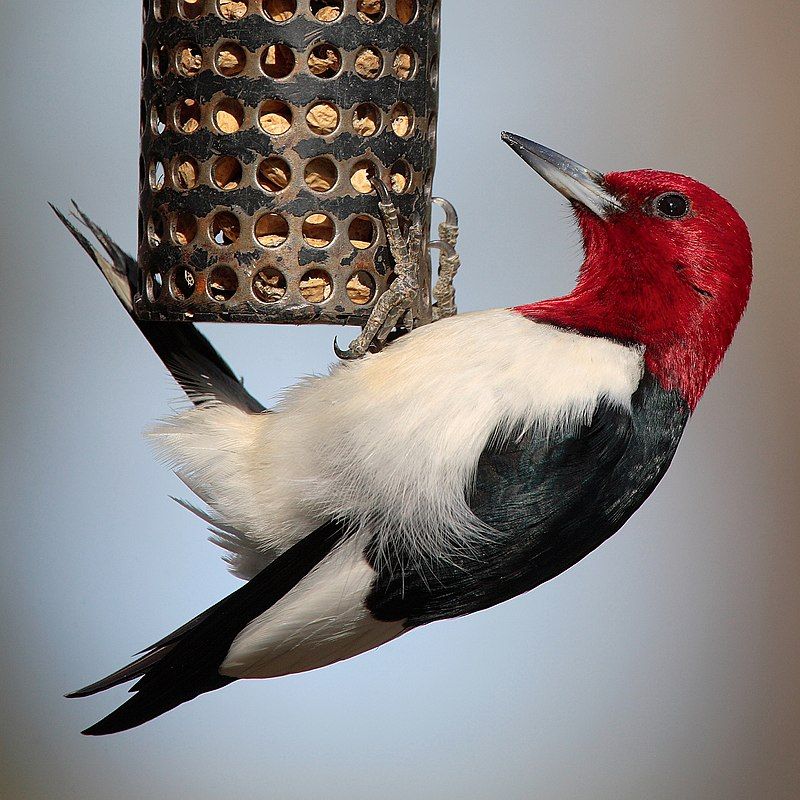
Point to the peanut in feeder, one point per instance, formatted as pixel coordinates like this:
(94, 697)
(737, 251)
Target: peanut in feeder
(288, 153)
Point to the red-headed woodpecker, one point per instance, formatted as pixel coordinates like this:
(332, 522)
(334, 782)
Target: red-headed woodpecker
(470, 461)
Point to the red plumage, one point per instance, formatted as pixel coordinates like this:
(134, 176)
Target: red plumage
(676, 286)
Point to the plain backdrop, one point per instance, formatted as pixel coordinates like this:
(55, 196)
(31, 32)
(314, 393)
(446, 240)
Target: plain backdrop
(664, 666)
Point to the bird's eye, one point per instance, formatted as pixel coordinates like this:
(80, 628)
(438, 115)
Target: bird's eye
(672, 205)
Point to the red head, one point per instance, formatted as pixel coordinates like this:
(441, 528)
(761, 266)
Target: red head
(668, 265)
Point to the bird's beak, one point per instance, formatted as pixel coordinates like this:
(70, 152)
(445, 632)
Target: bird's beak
(578, 184)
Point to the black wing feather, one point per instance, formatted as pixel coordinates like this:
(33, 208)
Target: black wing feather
(197, 367)
(551, 501)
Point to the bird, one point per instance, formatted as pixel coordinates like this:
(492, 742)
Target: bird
(468, 462)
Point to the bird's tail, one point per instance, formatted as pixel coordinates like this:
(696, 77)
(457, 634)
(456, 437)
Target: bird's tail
(199, 369)
(186, 663)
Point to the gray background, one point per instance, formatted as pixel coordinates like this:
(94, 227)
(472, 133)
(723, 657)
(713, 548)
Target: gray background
(663, 666)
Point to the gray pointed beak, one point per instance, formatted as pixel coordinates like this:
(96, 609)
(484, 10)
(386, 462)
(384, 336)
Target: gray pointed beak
(577, 183)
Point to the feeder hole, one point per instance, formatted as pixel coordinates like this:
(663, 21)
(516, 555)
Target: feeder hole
(222, 284)
(432, 123)
(161, 62)
(402, 120)
(186, 173)
(231, 9)
(231, 59)
(269, 285)
(366, 119)
(183, 283)
(362, 174)
(361, 288)
(185, 229)
(190, 9)
(155, 229)
(187, 115)
(321, 174)
(404, 63)
(227, 173)
(327, 10)
(316, 286)
(275, 117)
(406, 10)
(362, 233)
(154, 284)
(400, 177)
(229, 115)
(433, 72)
(158, 119)
(318, 230)
(369, 63)
(190, 59)
(279, 10)
(225, 229)
(325, 61)
(277, 61)
(323, 118)
(436, 15)
(274, 174)
(370, 11)
(427, 182)
(271, 230)
(157, 176)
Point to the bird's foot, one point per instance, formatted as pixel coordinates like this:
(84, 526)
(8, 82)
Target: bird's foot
(444, 293)
(396, 303)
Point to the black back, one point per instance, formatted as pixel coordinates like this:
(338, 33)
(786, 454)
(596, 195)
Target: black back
(551, 502)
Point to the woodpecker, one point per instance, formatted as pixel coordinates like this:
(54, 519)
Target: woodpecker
(468, 462)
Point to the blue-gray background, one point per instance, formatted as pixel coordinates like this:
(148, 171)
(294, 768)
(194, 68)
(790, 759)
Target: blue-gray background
(663, 666)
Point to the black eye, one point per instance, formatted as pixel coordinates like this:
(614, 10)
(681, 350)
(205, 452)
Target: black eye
(672, 205)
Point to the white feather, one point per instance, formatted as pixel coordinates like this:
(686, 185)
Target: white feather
(321, 621)
(391, 443)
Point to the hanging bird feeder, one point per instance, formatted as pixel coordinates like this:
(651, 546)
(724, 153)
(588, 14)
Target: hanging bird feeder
(278, 139)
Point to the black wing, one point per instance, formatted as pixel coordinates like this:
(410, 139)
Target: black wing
(186, 663)
(197, 367)
(551, 502)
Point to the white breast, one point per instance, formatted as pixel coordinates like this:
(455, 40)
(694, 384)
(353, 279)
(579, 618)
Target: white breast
(391, 443)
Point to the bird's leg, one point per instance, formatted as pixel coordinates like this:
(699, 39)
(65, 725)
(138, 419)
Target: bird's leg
(444, 293)
(396, 302)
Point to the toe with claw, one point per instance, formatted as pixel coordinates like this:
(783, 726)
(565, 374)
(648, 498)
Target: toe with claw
(396, 302)
(444, 294)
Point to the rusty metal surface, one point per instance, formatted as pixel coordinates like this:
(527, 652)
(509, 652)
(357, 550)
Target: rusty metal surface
(193, 53)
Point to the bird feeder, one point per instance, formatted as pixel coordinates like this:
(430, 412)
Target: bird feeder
(265, 124)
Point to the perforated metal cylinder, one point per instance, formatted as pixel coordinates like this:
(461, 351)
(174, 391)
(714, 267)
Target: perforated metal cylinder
(262, 123)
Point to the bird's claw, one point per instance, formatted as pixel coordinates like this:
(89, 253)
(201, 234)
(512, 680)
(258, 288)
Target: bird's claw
(397, 301)
(350, 354)
(444, 294)
(395, 305)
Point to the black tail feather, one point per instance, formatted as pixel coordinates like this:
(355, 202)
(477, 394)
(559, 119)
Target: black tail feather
(197, 367)
(186, 663)
(129, 673)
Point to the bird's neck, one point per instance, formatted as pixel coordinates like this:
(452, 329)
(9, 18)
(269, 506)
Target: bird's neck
(679, 357)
